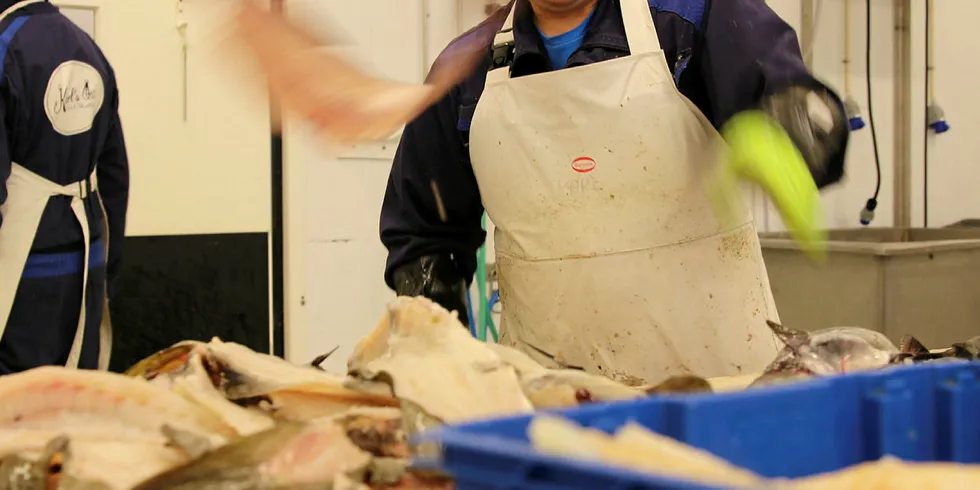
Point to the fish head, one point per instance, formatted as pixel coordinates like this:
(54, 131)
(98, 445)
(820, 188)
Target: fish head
(50, 471)
(20, 473)
(173, 360)
(798, 353)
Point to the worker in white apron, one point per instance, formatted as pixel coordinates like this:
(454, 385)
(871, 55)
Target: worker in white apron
(64, 187)
(609, 253)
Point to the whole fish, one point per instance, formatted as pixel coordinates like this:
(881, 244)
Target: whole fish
(289, 456)
(825, 352)
(252, 379)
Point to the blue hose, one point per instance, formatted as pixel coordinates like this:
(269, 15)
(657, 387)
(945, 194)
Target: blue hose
(469, 313)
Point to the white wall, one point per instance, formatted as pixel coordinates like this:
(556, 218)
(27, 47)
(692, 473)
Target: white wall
(210, 172)
(954, 157)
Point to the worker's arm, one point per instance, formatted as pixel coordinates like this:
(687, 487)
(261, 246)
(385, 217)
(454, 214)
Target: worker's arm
(112, 172)
(431, 254)
(751, 60)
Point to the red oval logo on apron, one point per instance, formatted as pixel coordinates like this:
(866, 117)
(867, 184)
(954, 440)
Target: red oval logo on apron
(583, 164)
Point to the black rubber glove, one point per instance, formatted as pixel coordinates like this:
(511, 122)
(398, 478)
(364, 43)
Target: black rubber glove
(815, 121)
(434, 277)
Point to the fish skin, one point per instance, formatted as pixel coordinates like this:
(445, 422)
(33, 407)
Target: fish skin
(287, 457)
(83, 402)
(303, 403)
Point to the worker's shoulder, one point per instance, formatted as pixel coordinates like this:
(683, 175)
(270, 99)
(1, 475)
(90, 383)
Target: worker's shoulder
(693, 11)
(49, 37)
(480, 36)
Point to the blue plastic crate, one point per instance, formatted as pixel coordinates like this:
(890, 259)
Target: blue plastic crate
(926, 412)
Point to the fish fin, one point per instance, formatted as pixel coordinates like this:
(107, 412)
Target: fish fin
(191, 444)
(316, 362)
(911, 345)
(794, 339)
(959, 350)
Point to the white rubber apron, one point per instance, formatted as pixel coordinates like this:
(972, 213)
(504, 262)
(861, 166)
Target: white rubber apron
(608, 253)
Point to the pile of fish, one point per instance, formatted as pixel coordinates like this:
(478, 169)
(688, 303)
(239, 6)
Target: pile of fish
(217, 415)
(840, 350)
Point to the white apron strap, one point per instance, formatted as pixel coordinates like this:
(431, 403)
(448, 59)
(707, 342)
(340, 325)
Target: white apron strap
(27, 195)
(17, 6)
(78, 207)
(641, 34)
(105, 328)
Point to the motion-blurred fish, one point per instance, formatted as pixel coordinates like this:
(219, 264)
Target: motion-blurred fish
(344, 103)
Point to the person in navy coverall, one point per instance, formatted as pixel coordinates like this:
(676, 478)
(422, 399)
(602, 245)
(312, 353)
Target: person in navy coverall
(583, 254)
(63, 168)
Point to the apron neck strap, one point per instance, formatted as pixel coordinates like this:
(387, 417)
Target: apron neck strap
(503, 42)
(17, 6)
(641, 34)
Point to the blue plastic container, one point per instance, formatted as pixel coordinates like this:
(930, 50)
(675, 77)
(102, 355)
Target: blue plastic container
(928, 412)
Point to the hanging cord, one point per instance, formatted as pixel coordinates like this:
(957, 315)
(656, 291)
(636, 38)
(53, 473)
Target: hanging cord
(873, 202)
(930, 95)
(847, 50)
(817, 11)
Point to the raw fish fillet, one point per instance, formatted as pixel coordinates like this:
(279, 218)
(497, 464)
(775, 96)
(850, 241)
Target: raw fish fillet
(435, 365)
(100, 404)
(638, 449)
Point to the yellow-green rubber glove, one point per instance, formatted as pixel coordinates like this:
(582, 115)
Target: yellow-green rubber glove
(761, 152)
